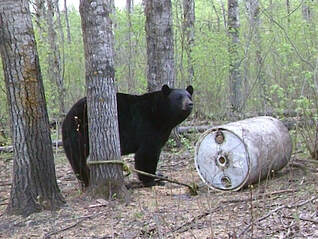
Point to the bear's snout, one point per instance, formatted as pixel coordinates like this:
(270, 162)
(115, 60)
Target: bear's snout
(187, 105)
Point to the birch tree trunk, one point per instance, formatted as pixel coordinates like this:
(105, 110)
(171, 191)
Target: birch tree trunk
(34, 185)
(160, 47)
(106, 180)
(235, 80)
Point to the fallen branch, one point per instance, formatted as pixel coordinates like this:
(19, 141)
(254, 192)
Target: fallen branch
(5, 184)
(193, 188)
(6, 149)
(101, 203)
(4, 203)
(308, 160)
(260, 196)
(273, 211)
(71, 226)
(195, 129)
(9, 149)
(302, 219)
(188, 224)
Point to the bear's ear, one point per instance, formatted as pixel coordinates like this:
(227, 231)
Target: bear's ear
(190, 89)
(165, 90)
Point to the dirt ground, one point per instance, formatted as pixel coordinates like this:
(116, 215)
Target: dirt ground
(285, 206)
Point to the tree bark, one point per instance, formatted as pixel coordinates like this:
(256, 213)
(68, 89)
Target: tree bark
(34, 185)
(160, 47)
(307, 10)
(235, 80)
(288, 12)
(224, 14)
(217, 16)
(68, 29)
(106, 180)
(131, 78)
(253, 10)
(54, 58)
(39, 8)
(188, 28)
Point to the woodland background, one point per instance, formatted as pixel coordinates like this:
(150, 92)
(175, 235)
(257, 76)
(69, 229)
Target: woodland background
(277, 57)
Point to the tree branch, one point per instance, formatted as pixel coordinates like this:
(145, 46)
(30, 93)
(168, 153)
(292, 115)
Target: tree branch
(48, 235)
(273, 211)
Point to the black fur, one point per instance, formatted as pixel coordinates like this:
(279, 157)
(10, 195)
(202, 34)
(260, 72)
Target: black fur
(145, 123)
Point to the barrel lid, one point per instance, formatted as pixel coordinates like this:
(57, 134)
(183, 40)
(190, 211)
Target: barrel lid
(222, 159)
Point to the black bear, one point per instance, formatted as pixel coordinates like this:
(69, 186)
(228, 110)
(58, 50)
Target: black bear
(145, 123)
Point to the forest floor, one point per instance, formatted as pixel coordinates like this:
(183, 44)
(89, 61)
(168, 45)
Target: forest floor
(285, 206)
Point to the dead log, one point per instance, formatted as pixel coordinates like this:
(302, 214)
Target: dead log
(290, 123)
(6, 149)
(9, 148)
(276, 114)
(193, 129)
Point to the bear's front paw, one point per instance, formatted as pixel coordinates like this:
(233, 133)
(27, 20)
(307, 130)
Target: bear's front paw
(161, 175)
(154, 183)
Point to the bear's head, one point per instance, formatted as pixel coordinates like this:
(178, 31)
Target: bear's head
(179, 104)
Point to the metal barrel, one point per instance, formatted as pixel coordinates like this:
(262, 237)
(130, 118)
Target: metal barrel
(234, 155)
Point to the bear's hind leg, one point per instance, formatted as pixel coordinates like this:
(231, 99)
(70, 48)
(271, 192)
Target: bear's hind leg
(77, 151)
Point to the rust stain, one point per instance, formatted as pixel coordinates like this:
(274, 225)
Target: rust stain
(31, 92)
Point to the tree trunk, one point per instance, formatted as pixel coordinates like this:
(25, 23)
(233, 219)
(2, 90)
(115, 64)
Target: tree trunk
(235, 80)
(160, 47)
(253, 11)
(68, 29)
(188, 28)
(224, 14)
(306, 10)
(34, 185)
(60, 82)
(178, 54)
(39, 7)
(288, 13)
(54, 58)
(217, 16)
(131, 78)
(106, 180)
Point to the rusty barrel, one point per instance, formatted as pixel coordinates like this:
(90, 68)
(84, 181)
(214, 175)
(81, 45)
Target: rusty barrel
(237, 154)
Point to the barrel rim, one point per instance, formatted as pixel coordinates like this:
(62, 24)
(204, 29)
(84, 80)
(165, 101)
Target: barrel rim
(204, 134)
